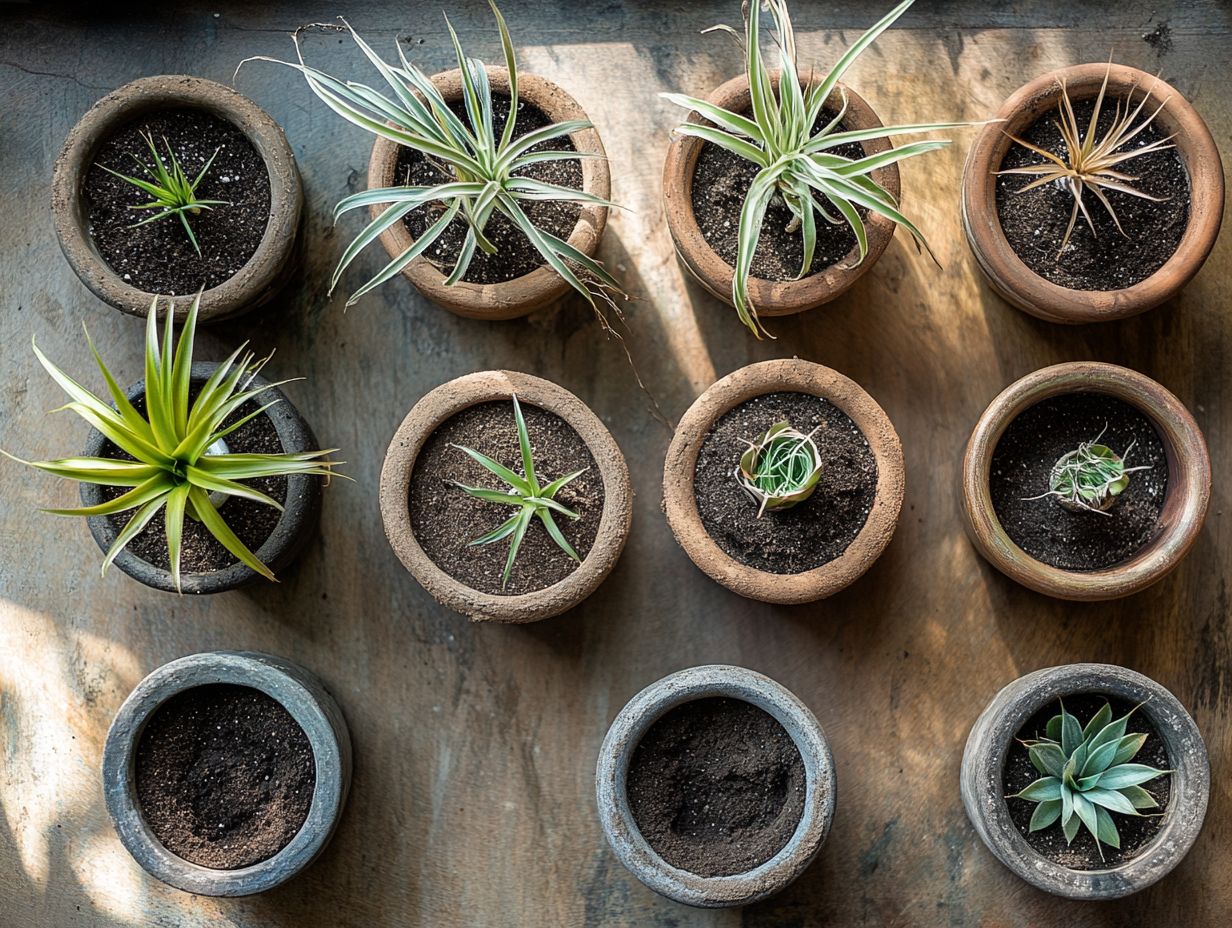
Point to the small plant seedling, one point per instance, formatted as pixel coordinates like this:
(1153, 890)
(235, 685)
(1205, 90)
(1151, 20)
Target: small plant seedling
(1088, 775)
(1090, 477)
(532, 499)
(173, 191)
(1091, 162)
(781, 468)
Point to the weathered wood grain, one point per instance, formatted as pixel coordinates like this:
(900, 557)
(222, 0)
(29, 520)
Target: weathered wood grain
(475, 745)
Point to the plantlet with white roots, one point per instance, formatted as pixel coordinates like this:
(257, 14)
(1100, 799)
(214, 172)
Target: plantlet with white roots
(781, 468)
(1090, 477)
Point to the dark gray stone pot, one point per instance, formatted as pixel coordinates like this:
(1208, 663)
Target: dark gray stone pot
(642, 711)
(984, 761)
(293, 531)
(309, 704)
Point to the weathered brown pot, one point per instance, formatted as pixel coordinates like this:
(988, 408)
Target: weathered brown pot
(541, 286)
(680, 501)
(1011, 277)
(276, 258)
(442, 404)
(770, 297)
(1185, 505)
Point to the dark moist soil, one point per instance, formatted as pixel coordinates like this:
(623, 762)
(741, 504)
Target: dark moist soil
(1022, 464)
(720, 182)
(1135, 832)
(158, 257)
(445, 519)
(809, 534)
(253, 522)
(716, 787)
(1034, 222)
(225, 776)
(515, 256)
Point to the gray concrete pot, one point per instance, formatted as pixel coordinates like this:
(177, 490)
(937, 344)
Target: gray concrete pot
(984, 761)
(295, 526)
(301, 694)
(276, 258)
(635, 719)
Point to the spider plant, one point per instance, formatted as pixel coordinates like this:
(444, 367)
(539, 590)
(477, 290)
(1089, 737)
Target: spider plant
(1091, 161)
(171, 460)
(1090, 477)
(798, 165)
(532, 498)
(173, 191)
(781, 468)
(481, 164)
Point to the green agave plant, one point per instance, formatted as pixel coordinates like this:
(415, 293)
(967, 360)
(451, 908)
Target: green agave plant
(1090, 477)
(798, 163)
(781, 468)
(172, 467)
(1088, 776)
(481, 163)
(532, 498)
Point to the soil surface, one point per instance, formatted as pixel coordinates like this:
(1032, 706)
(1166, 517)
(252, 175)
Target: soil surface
(445, 519)
(1022, 464)
(810, 533)
(1136, 832)
(158, 257)
(225, 776)
(253, 522)
(1034, 222)
(515, 256)
(720, 182)
(716, 786)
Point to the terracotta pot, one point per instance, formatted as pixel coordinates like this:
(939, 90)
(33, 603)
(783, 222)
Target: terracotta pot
(276, 258)
(1185, 505)
(296, 690)
(680, 501)
(541, 286)
(294, 529)
(988, 745)
(770, 297)
(442, 404)
(1011, 277)
(620, 828)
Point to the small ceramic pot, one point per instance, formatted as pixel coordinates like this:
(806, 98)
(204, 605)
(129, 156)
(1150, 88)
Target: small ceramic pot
(442, 404)
(626, 732)
(1010, 276)
(295, 527)
(988, 745)
(542, 286)
(771, 297)
(276, 258)
(680, 500)
(302, 695)
(1185, 505)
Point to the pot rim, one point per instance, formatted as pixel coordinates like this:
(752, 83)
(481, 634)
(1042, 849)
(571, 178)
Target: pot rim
(522, 295)
(646, 708)
(262, 275)
(771, 297)
(1034, 294)
(295, 524)
(984, 761)
(313, 709)
(680, 501)
(1185, 504)
(443, 403)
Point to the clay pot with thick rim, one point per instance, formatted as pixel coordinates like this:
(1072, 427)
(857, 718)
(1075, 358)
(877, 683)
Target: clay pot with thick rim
(438, 407)
(993, 734)
(1185, 504)
(542, 286)
(794, 376)
(1010, 276)
(771, 297)
(296, 524)
(620, 827)
(276, 258)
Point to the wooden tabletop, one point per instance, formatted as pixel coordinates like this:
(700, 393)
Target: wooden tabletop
(473, 796)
